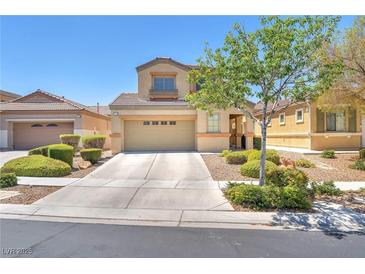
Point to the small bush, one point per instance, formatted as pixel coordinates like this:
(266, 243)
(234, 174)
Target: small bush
(236, 158)
(326, 188)
(39, 151)
(36, 166)
(267, 197)
(224, 153)
(257, 143)
(304, 163)
(71, 140)
(252, 168)
(282, 177)
(8, 180)
(271, 155)
(359, 165)
(91, 154)
(61, 152)
(330, 154)
(362, 153)
(93, 141)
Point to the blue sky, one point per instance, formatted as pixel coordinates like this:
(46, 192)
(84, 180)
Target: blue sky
(92, 59)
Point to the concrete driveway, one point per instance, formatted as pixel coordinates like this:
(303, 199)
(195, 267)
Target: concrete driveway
(154, 181)
(11, 154)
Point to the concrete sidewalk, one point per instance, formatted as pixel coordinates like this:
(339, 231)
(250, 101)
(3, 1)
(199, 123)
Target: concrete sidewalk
(329, 217)
(46, 181)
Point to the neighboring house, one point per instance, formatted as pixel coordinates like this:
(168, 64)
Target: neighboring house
(6, 96)
(40, 117)
(303, 125)
(158, 118)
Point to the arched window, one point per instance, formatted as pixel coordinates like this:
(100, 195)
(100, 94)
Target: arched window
(52, 125)
(37, 125)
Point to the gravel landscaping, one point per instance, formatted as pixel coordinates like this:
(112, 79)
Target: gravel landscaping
(350, 199)
(28, 194)
(326, 169)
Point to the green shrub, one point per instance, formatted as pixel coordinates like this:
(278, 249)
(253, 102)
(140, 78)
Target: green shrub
(71, 140)
(267, 197)
(271, 155)
(326, 188)
(330, 154)
(91, 154)
(304, 163)
(252, 168)
(293, 197)
(283, 176)
(93, 141)
(39, 151)
(359, 165)
(224, 153)
(251, 196)
(257, 143)
(362, 153)
(61, 152)
(8, 180)
(36, 166)
(236, 158)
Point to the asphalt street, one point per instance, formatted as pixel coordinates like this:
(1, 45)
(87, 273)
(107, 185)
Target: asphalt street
(21, 238)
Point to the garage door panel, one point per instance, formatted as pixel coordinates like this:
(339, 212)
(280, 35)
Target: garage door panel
(30, 135)
(180, 136)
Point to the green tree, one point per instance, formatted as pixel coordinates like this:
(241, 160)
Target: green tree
(277, 61)
(349, 87)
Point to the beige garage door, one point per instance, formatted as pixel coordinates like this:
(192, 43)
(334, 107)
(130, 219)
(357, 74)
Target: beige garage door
(30, 135)
(159, 135)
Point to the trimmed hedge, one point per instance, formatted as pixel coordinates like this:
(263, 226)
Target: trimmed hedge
(8, 180)
(61, 152)
(236, 158)
(252, 168)
(224, 153)
(36, 166)
(304, 163)
(39, 151)
(330, 154)
(93, 141)
(362, 153)
(71, 140)
(91, 154)
(271, 155)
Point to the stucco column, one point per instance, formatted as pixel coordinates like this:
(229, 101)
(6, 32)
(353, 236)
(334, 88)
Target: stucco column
(116, 135)
(248, 130)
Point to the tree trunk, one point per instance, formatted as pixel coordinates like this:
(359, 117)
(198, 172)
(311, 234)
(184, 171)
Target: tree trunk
(263, 145)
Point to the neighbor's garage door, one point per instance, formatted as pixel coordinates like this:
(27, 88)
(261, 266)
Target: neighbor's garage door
(30, 135)
(159, 135)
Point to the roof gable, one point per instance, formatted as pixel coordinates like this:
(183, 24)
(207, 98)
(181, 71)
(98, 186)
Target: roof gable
(164, 60)
(38, 97)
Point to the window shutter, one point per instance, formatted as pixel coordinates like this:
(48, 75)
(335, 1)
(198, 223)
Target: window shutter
(320, 121)
(352, 120)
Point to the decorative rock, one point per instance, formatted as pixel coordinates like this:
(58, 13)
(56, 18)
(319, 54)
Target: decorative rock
(82, 164)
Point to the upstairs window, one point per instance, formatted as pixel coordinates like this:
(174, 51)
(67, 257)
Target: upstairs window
(164, 83)
(282, 119)
(299, 117)
(213, 123)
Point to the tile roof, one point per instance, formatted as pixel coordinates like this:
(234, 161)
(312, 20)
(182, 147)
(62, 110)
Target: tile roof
(104, 110)
(281, 104)
(158, 60)
(61, 104)
(131, 99)
(8, 93)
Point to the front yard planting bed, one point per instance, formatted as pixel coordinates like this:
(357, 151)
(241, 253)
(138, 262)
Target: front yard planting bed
(80, 173)
(354, 200)
(28, 194)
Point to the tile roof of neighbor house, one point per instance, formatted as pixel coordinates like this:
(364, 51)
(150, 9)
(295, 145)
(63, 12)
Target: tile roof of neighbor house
(165, 60)
(281, 104)
(131, 99)
(8, 93)
(104, 110)
(63, 104)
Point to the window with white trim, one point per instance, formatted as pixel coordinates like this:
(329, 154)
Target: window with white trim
(213, 123)
(299, 115)
(282, 119)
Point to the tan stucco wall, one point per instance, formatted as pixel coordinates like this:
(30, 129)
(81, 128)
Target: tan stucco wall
(145, 79)
(212, 144)
(348, 142)
(289, 141)
(100, 125)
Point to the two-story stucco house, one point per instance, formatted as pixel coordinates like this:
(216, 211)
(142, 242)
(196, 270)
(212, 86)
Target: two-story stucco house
(304, 125)
(158, 118)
